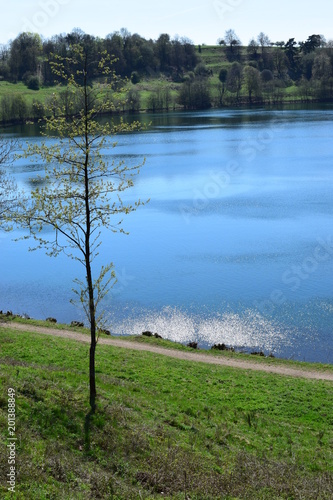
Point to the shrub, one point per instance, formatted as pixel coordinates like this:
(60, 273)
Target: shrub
(133, 99)
(202, 70)
(266, 76)
(135, 77)
(38, 110)
(19, 108)
(195, 94)
(223, 75)
(33, 83)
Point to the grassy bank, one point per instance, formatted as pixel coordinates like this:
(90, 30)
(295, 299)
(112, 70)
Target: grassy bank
(168, 344)
(164, 428)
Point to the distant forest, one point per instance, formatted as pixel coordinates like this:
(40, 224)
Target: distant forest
(175, 72)
(29, 56)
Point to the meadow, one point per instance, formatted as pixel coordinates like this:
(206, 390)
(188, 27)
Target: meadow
(164, 428)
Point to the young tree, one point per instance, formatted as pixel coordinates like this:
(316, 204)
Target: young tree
(231, 39)
(223, 75)
(81, 193)
(280, 61)
(252, 49)
(233, 43)
(252, 81)
(133, 98)
(263, 41)
(322, 75)
(235, 79)
(322, 68)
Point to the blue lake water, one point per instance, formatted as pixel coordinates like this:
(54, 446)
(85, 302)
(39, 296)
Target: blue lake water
(235, 246)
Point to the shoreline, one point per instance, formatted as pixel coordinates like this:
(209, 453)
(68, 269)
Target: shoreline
(158, 345)
(145, 111)
(177, 354)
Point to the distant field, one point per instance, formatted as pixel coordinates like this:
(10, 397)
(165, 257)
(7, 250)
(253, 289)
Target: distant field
(214, 57)
(7, 88)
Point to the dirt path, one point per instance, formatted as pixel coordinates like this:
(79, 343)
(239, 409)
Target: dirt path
(173, 353)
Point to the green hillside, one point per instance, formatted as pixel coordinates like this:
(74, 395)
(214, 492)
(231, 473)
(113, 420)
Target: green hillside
(164, 428)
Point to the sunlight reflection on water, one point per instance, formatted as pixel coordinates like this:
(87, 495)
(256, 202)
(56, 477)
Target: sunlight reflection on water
(248, 330)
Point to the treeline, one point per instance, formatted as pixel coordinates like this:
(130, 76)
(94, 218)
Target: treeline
(27, 58)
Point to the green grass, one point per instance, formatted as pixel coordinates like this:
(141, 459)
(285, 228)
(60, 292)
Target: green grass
(19, 88)
(214, 58)
(36, 322)
(164, 428)
(148, 86)
(168, 344)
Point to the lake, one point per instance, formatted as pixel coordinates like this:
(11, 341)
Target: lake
(235, 246)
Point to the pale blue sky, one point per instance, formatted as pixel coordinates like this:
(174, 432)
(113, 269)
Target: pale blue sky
(202, 22)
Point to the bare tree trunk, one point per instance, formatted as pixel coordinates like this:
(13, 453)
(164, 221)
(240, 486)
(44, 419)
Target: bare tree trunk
(92, 312)
(92, 378)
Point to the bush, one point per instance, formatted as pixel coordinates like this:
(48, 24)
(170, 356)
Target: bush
(155, 101)
(195, 94)
(5, 109)
(266, 76)
(223, 75)
(133, 99)
(19, 108)
(38, 110)
(33, 83)
(202, 70)
(135, 77)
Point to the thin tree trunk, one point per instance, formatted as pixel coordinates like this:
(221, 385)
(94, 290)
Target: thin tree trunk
(92, 378)
(92, 316)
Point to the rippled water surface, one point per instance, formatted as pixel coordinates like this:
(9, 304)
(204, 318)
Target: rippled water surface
(235, 246)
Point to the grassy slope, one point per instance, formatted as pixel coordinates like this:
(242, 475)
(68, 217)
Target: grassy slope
(162, 425)
(215, 59)
(7, 88)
